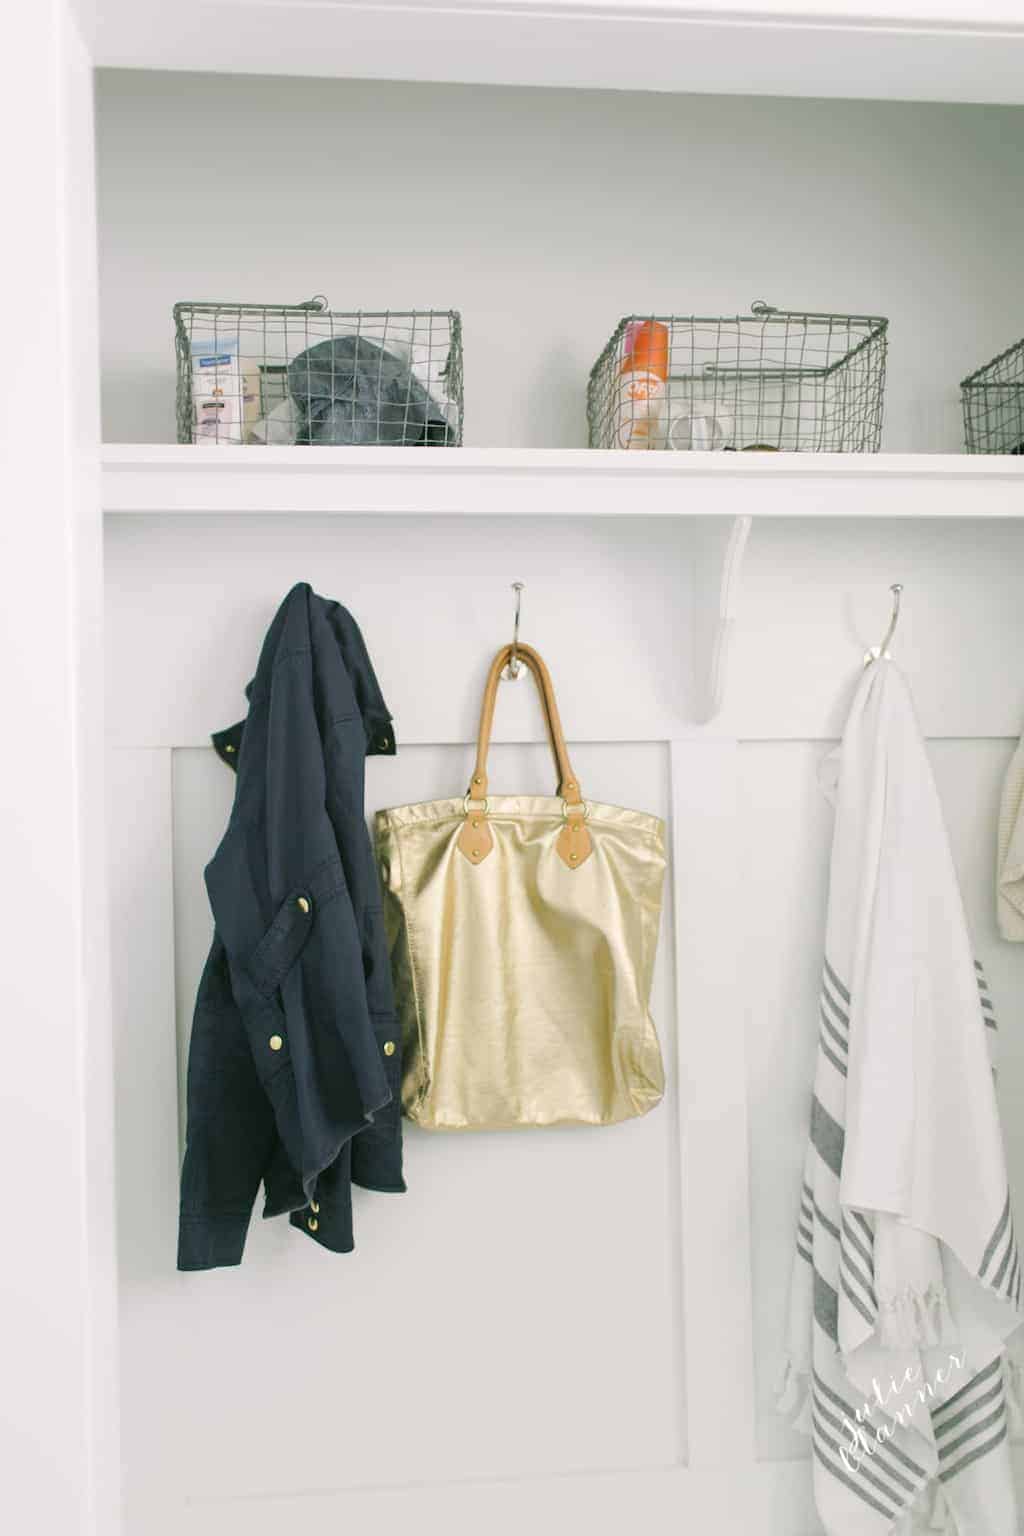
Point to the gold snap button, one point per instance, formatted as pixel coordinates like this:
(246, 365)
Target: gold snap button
(389, 1047)
(477, 779)
(573, 857)
(314, 1208)
(275, 1042)
(313, 1224)
(229, 748)
(476, 824)
(302, 904)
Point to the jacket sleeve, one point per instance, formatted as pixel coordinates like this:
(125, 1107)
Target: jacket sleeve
(281, 902)
(231, 1136)
(376, 717)
(377, 1150)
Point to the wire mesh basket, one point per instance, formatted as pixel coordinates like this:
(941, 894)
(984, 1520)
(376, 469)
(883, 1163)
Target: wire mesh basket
(993, 401)
(776, 379)
(275, 374)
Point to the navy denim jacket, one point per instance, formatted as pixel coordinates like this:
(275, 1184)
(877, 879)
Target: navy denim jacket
(295, 1059)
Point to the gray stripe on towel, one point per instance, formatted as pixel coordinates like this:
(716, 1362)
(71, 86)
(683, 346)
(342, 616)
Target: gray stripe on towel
(836, 1036)
(1011, 1248)
(939, 1414)
(975, 1455)
(834, 979)
(864, 1252)
(859, 1472)
(891, 1449)
(840, 1015)
(827, 1051)
(865, 1227)
(828, 1137)
(994, 1240)
(856, 1302)
(826, 1307)
(856, 1273)
(993, 1394)
(975, 1430)
(837, 1472)
(877, 1460)
(830, 1226)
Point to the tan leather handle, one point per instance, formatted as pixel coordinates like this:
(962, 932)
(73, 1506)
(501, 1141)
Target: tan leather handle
(568, 784)
(573, 843)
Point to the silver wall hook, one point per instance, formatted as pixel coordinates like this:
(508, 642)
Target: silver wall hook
(515, 666)
(877, 652)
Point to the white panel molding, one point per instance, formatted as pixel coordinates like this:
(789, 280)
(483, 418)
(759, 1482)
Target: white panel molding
(140, 816)
(735, 1499)
(165, 815)
(707, 859)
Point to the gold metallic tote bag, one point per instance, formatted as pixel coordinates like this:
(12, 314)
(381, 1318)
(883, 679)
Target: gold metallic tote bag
(523, 930)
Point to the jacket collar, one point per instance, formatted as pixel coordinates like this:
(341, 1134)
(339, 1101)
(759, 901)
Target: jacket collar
(292, 623)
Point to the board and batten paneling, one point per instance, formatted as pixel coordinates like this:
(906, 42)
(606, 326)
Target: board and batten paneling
(607, 600)
(554, 1331)
(515, 1316)
(814, 598)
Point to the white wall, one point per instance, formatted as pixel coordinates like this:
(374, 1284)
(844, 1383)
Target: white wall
(544, 216)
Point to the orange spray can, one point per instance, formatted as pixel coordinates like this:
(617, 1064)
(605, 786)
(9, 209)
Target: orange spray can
(642, 385)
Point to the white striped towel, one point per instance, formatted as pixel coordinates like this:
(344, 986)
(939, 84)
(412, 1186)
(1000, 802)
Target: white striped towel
(1010, 851)
(907, 1279)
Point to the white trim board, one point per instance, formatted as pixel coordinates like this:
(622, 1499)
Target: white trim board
(141, 478)
(909, 50)
(656, 599)
(59, 1325)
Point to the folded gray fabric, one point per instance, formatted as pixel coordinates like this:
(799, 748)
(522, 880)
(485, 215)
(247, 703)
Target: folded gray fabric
(349, 389)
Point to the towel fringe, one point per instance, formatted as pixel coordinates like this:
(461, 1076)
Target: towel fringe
(910, 1320)
(930, 1515)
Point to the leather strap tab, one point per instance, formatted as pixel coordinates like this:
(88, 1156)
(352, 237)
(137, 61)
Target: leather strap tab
(574, 845)
(475, 839)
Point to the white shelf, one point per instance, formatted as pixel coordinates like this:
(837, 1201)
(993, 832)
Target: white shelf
(155, 478)
(903, 50)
